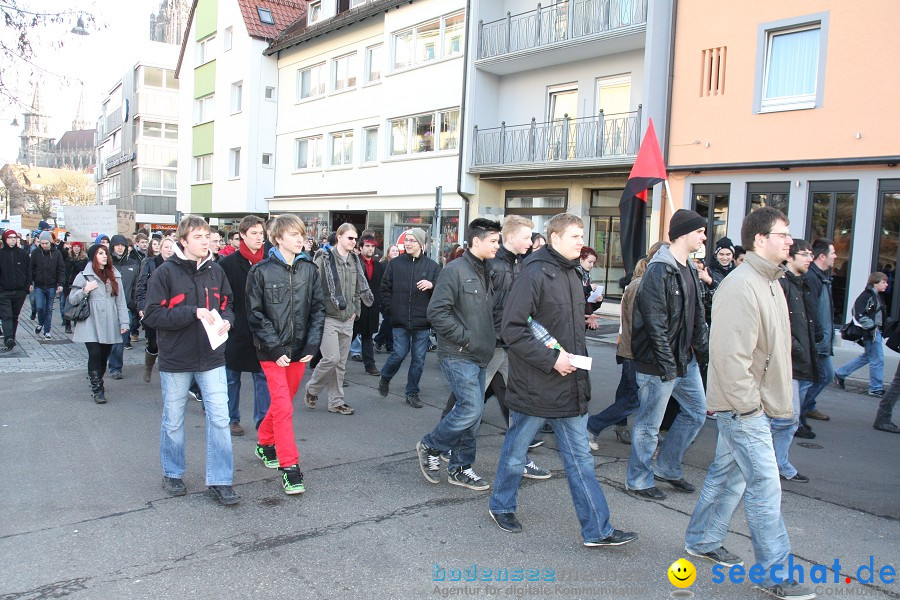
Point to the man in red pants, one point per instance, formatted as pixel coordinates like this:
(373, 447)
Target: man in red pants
(286, 312)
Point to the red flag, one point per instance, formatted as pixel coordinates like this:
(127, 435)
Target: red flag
(648, 170)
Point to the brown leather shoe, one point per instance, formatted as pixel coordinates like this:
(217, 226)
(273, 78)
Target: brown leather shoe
(236, 429)
(373, 371)
(818, 416)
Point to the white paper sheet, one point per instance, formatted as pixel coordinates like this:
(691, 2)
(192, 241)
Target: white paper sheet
(215, 340)
(595, 295)
(580, 362)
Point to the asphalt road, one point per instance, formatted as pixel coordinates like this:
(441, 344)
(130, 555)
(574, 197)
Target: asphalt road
(85, 515)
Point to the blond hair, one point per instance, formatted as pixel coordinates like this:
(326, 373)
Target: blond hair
(512, 223)
(344, 228)
(285, 223)
(558, 223)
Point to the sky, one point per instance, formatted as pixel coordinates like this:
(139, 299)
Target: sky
(93, 63)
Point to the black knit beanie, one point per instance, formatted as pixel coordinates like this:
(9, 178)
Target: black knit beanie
(683, 222)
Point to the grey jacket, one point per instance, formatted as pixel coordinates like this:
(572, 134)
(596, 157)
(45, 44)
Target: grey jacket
(346, 270)
(462, 311)
(109, 314)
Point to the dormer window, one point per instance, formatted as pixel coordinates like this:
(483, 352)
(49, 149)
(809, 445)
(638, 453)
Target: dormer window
(265, 15)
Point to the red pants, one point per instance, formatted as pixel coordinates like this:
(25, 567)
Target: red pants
(278, 426)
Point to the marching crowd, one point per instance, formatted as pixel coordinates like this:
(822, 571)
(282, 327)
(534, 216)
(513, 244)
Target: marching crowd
(746, 341)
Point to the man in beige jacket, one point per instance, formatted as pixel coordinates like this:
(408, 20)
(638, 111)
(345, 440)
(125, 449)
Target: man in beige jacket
(749, 384)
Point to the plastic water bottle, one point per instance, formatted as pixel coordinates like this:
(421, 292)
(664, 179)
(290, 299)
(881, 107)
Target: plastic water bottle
(542, 335)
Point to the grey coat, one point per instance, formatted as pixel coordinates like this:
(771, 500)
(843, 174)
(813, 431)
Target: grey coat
(109, 314)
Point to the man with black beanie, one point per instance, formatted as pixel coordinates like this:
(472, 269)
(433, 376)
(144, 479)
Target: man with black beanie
(669, 341)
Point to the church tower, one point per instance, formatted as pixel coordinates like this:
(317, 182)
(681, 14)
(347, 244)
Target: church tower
(36, 144)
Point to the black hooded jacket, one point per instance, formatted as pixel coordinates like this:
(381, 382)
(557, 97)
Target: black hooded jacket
(549, 290)
(805, 329)
(177, 289)
(407, 305)
(48, 269)
(15, 269)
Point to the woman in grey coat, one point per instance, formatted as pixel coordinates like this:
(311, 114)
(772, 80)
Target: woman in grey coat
(109, 319)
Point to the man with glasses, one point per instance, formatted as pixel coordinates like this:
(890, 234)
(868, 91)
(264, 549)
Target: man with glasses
(749, 385)
(15, 283)
(346, 289)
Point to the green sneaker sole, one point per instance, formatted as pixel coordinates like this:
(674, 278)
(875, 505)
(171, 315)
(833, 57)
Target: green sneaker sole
(271, 464)
(293, 489)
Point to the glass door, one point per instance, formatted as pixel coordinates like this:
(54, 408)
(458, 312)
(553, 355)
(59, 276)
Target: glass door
(711, 203)
(614, 100)
(610, 268)
(562, 103)
(886, 254)
(831, 216)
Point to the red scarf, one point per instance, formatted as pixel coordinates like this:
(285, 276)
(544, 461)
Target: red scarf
(369, 264)
(252, 257)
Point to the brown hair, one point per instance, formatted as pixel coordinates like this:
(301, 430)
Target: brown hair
(558, 224)
(344, 228)
(106, 274)
(760, 222)
(877, 277)
(190, 223)
(588, 251)
(248, 222)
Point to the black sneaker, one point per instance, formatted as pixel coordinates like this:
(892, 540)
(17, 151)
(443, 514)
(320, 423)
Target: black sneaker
(839, 381)
(532, 471)
(679, 484)
(37, 329)
(466, 477)
(805, 433)
(429, 462)
(798, 478)
(547, 428)
(888, 427)
(174, 486)
(788, 591)
(128, 346)
(506, 521)
(616, 538)
(379, 348)
(68, 328)
(292, 480)
(384, 386)
(267, 455)
(876, 393)
(651, 493)
(413, 400)
(10, 344)
(115, 374)
(225, 494)
(720, 556)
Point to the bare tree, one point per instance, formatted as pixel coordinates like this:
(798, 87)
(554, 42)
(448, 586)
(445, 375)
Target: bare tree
(74, 189)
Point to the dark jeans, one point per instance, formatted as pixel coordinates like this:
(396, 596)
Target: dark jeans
(116, 355)
(385, 336)
(261, 398)
(885, 408)
(407, 341)
(43, 299)
(10, 307)
(98, 355)
(152, 348)
(368, 350)
(626, 402)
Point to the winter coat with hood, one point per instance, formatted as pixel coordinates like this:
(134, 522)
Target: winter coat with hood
(750, 343)
(660, 342)
(177, 289)
(285, 307)
(367, 323)
(130, 270)
(109, 314)
(147, 268)
(15, 269)
(805, 330)
(549, 290)
(407, 305)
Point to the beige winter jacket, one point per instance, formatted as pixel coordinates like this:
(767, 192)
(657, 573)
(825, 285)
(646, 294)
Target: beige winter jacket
(750, 343)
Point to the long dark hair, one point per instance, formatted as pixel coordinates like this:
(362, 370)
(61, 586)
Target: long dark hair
(106, 274)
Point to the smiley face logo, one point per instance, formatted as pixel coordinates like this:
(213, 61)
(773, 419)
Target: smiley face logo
(682, 573)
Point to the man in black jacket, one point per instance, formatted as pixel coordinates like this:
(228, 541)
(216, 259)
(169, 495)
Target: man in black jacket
(805, 334)
(466, 320)
(819, 279)
(367, 324)
(544, 385)
(184, 296)
(130, 269)
(669, 340)
(406, 289)
(15, 283)
(240, 355)
(48, 272)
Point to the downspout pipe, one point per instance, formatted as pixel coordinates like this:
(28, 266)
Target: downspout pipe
(462, 125)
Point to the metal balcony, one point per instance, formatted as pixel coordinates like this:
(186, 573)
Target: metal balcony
(564, 143)
(551, 25)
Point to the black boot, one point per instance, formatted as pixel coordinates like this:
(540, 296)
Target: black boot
(149, 361)
(97, 391)
(68, 325)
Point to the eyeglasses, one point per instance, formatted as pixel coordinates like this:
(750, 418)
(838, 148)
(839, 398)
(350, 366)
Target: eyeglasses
(784, 236)
(804, 254)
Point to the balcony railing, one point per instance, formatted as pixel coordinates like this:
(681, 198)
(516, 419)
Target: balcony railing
(547, 25)
(561, 141)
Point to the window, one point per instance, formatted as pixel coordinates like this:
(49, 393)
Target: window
(237, 90)
(203, 168)
(234, 162)
(768, 194)
(155, 129)
(710, 201)
(115, 190)
(265, 16)
(154, 182)
(309, 152)
(342, 148)
(790, 63)
(343, 72)
(228, 38)
(355, 3)
(538, 205)
(314, 12)
(415, 134)
(432, 40)
(204, 109)
(712, 71)
(374, 63)
(153, 77)
(171, 81)
(205, 50)
(311, 81)
(371, 141)
(270, 93)
(267, 160)
(886, 246)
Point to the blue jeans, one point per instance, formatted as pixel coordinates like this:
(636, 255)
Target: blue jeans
(261, 398)
(406, 341)
(219, 455)
(626, 401)
(654, 394)
(572, 440)
(783, 434)
(744, 467)
(809, 391)
(116, 355)
(873, 355)
(43, 300)
(457, 430)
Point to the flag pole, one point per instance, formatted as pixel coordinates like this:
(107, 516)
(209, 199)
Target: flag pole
(669, 196)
